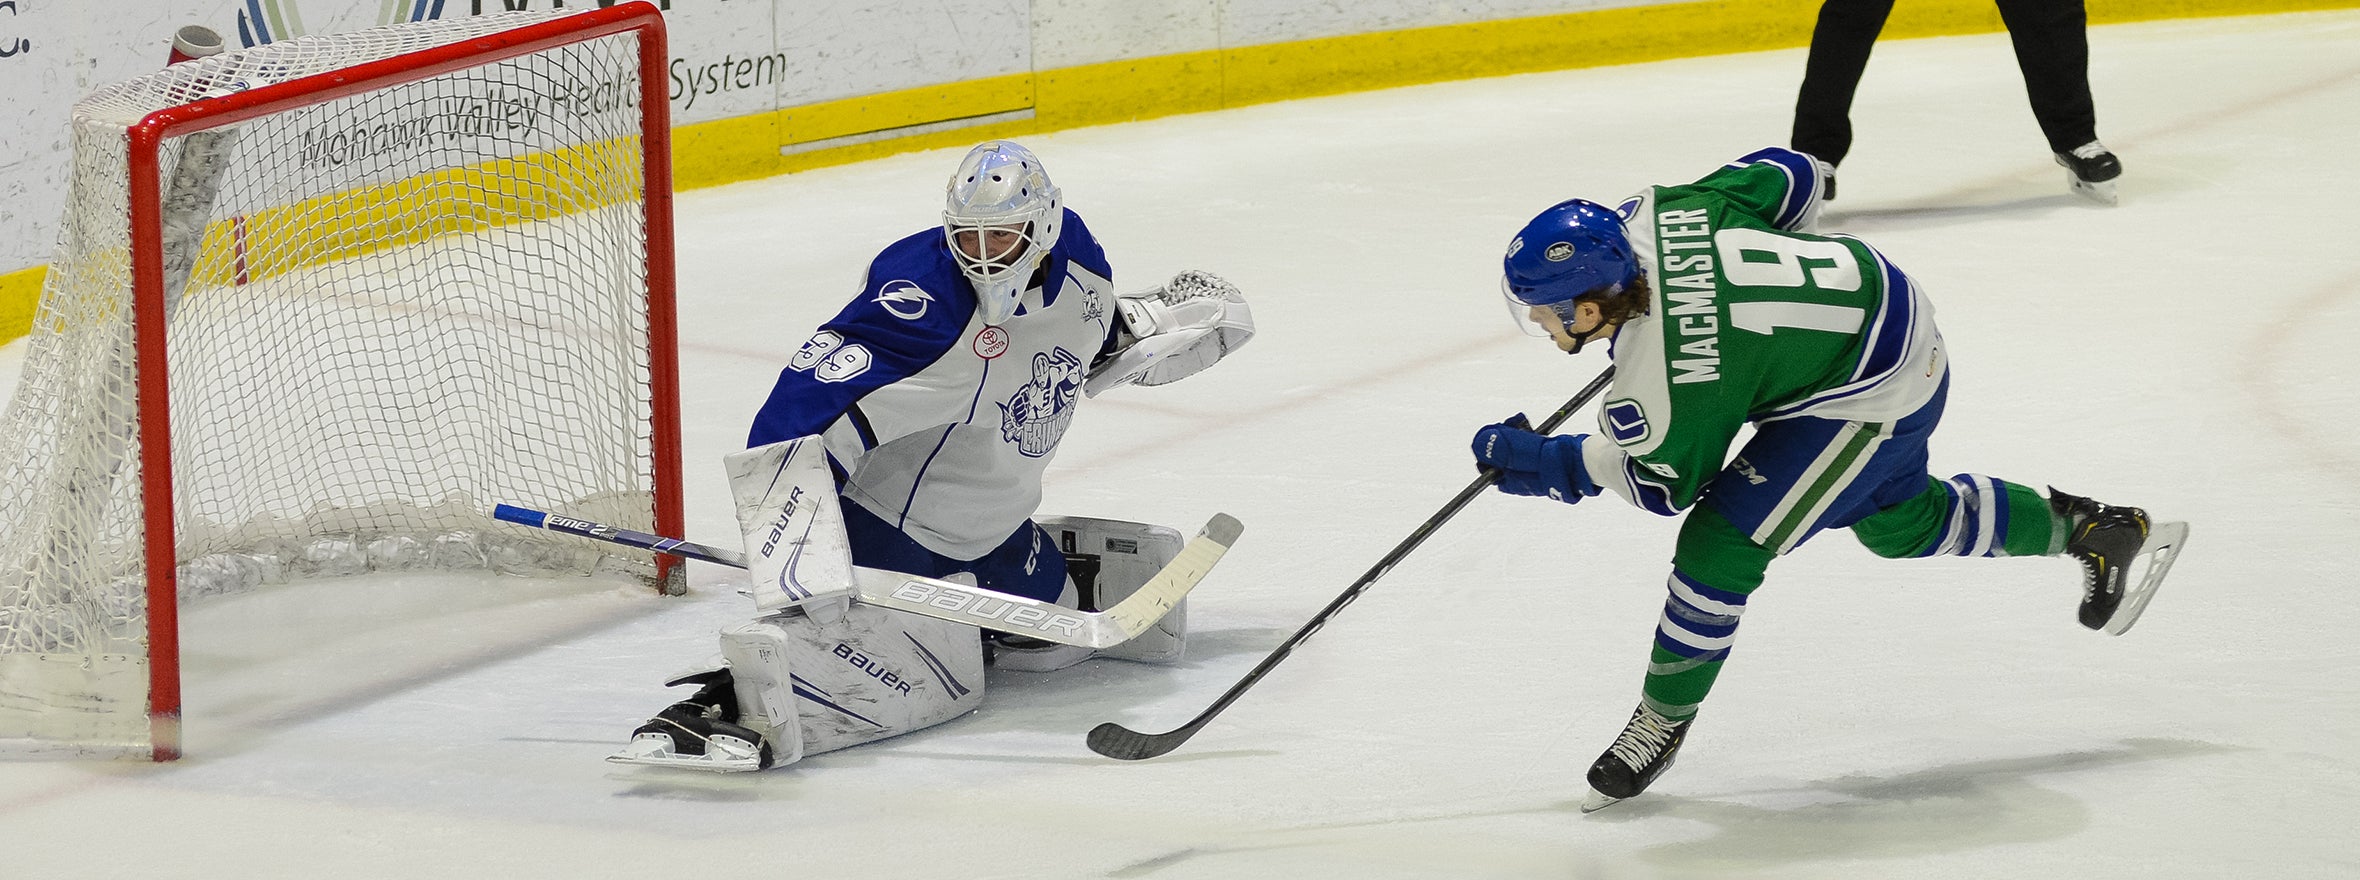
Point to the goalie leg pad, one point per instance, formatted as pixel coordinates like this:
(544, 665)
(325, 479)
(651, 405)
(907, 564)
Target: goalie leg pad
(795, 685)
(1111, 559)
(761, 685)
(875, 673)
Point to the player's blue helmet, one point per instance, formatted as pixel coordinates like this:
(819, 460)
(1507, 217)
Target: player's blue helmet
(1001, 186)
(1574, 247)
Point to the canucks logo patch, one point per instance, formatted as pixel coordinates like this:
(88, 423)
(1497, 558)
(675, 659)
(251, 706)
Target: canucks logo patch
(1625, 421)
(1035, 418)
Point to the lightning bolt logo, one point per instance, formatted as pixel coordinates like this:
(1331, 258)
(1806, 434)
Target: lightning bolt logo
(905, 299)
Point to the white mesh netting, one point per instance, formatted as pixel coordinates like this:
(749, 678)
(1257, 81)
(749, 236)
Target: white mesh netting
(385, 313)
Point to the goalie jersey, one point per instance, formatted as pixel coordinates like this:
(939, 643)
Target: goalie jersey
(1731, 271)
(933, 420)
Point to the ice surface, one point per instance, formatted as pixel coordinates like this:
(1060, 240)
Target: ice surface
(2190, 351)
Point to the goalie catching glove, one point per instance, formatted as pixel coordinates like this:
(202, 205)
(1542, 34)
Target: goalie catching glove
(1169, 333)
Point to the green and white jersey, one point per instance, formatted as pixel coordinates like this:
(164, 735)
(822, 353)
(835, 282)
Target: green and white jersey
(1751, 321)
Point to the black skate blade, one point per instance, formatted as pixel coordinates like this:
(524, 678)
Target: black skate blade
(2162, 548)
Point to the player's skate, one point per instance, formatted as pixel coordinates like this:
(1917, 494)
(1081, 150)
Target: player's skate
(2091, 169)
(699, 733)
(2107, 541)
(1643, 752)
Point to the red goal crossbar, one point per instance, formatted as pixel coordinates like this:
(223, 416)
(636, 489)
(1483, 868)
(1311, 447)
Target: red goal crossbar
(149, 294)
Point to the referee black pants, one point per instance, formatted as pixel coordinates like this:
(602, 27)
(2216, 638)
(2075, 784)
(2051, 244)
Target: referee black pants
(2052, 48)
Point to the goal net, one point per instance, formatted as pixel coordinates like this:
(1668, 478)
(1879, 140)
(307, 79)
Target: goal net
(316, 306)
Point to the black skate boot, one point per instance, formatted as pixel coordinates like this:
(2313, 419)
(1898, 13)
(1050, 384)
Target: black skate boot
(2104, 539)
(2091, 170)
(1644, 751)
(718, 693)
(699, 733)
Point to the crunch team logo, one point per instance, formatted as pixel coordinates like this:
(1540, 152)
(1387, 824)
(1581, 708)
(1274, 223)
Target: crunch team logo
(1036, 416)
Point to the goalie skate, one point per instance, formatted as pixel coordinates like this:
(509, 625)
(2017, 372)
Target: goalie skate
(721, 755)
(702, 732)
(685, 740)
(2161, 548)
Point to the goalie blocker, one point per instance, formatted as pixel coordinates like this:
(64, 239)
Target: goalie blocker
(819, 672)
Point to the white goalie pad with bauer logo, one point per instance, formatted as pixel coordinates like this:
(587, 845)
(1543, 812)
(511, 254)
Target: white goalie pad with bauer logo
(797, 556)
(811, 687)
(796, 550)
(1110, 560)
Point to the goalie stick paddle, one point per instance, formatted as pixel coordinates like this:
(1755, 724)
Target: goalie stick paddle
(1119, 742)
(956, 602)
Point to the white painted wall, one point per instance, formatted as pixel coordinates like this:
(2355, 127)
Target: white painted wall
(729, 57)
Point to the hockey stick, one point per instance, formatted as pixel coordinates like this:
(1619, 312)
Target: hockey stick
(1116, 741)
(956, 602)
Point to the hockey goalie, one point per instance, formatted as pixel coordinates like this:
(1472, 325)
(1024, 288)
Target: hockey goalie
(908, 435)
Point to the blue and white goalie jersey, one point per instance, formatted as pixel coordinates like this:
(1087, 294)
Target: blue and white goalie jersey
(934, 421)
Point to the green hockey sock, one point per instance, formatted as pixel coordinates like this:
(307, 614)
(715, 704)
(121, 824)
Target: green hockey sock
(1966, 515)
(1715, 568)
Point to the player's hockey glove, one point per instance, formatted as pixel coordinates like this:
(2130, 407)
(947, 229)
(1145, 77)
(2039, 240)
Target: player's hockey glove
(1532, 464)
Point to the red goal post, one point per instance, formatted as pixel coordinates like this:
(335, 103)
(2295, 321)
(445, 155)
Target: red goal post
(313, 314)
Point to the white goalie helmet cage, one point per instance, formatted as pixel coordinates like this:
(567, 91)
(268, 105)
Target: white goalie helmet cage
(1001, 185)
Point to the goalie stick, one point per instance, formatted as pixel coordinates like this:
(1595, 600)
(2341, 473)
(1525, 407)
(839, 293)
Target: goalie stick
(956, 602)
(1116, 741)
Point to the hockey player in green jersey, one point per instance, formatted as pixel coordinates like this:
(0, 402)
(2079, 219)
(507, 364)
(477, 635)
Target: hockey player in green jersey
(1721, 311)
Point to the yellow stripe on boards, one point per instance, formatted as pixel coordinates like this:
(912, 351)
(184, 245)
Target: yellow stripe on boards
(20, 291)
(761, 145)
(356, 223)
(890, 110)
(743, 148)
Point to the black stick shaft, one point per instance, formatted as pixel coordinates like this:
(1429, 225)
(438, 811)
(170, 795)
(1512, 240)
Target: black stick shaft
(1116, 741)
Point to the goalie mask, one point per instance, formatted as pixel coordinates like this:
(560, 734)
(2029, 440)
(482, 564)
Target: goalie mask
(1001, 216)
(1574, 248)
